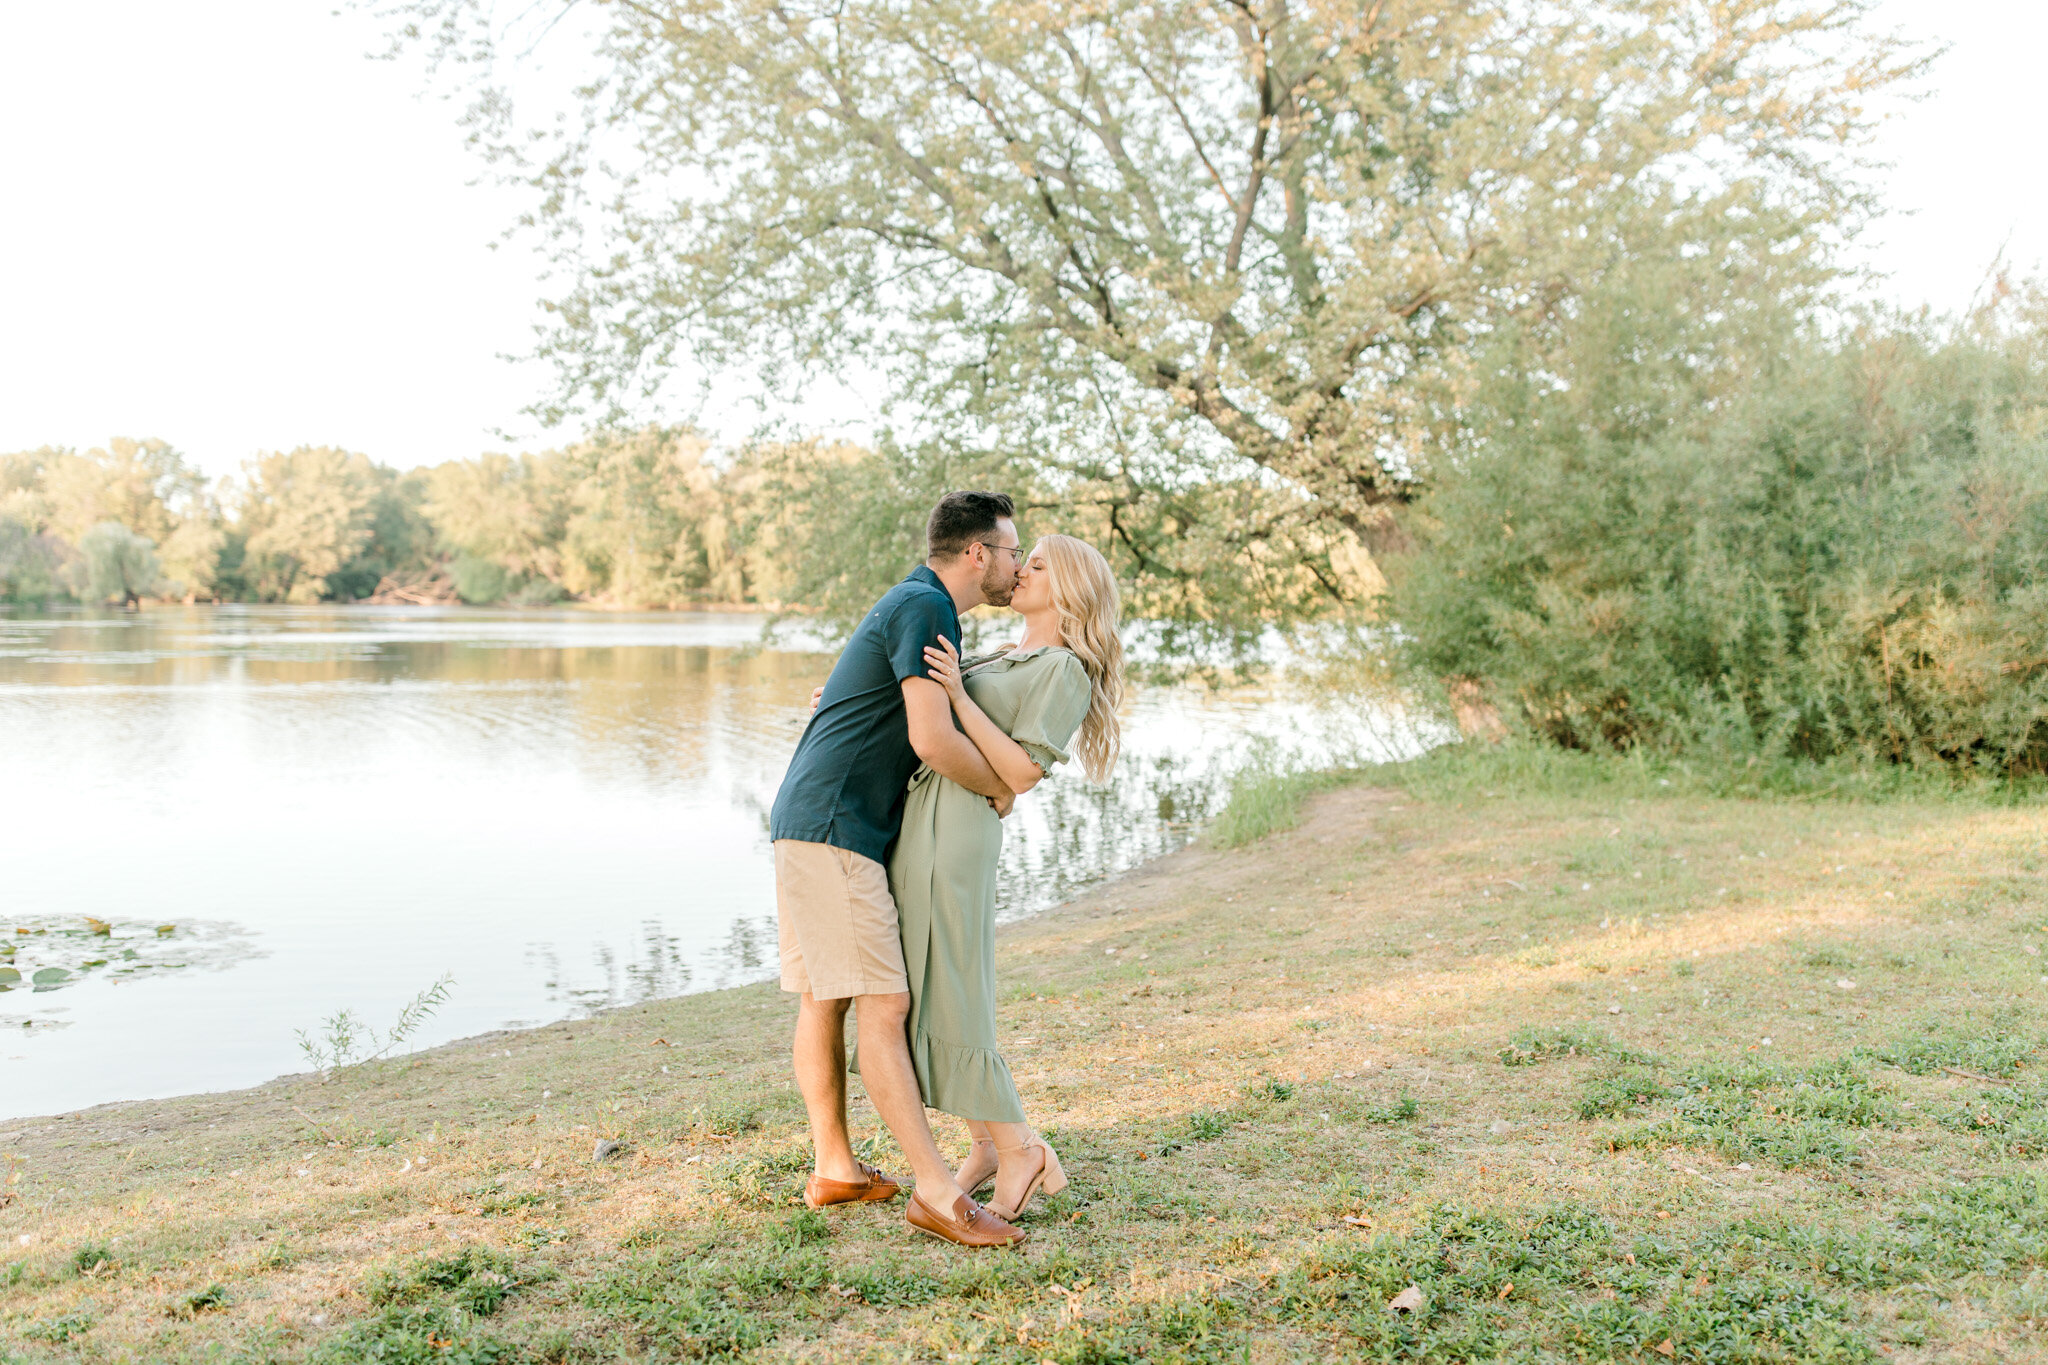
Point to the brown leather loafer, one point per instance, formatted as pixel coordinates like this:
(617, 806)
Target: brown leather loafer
(821, 1193)
(969, 1225)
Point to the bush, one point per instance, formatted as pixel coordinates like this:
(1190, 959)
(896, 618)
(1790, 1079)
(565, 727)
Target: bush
(1838, 554)
(479, 582)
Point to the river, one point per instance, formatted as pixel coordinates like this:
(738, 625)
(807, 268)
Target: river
(221, 825)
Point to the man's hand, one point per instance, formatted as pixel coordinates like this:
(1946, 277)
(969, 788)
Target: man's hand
(1003, 804)
(939, 742)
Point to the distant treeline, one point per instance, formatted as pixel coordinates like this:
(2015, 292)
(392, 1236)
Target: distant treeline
(652, 518)
(636, 520)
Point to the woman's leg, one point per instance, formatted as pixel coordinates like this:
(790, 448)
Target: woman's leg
(1024, 1165)
(980, 1164)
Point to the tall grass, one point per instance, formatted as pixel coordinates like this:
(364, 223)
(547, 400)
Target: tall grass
(1265, 800)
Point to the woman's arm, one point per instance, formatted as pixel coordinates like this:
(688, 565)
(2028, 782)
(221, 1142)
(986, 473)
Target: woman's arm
(1013, 765)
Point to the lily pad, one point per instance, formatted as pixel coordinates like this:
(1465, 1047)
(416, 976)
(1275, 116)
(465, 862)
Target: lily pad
(50, 976)
(8, 976)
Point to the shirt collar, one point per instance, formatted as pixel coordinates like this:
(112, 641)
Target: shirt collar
(923, 574)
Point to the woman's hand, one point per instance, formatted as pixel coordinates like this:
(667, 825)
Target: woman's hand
(942, 661)
(816, 693)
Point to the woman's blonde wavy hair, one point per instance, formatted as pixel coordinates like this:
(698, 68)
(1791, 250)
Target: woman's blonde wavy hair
(1084, 593)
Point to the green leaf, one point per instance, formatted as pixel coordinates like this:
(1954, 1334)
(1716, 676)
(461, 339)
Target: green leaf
(50, 976)
(8, 976)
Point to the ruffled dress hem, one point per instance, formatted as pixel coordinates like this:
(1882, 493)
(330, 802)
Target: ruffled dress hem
(966, 1082)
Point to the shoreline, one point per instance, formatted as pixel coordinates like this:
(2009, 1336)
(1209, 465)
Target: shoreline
(10, 1128)
(14, 1130)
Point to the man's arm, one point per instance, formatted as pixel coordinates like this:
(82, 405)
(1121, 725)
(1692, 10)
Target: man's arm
(951, 754)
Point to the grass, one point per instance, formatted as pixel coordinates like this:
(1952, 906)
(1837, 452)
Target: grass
(1607, 1069)
(1266, 801)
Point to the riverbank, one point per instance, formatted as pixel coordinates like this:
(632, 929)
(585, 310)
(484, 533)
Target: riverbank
(1609, 1072)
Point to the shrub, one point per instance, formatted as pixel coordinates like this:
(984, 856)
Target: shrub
(1835, 554)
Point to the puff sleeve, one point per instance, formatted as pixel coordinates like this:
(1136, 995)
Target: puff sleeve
(1051, 715)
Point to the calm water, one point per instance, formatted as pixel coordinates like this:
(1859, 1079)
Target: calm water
(220, 825)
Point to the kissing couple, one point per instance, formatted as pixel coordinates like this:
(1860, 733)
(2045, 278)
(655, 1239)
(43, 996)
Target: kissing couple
(886, 831)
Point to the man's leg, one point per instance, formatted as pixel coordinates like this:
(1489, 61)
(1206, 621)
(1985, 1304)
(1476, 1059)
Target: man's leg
(820, 1055)
(892, 1085)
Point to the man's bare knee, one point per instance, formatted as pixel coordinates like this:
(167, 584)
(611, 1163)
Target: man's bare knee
(828, 1010)
(882, 1011)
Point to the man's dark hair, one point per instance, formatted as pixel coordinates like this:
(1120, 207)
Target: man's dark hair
(960, 519)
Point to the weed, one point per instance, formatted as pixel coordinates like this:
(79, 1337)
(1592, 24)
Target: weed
(890, 1288)
(1934, 1046)
(1620, 1092)
(475, 1279)
(1531, 1046)
(278, 1256)
(1750, 1112)
(1206, 1125)
(1989, 1226)
(1514, 1286)
(2014, 1122)
(1271, 1091)
(348, 1039)
(211, 1299)
(59, 1329)
(731, 1119)
(92, 1260)
(670, 1308)
(1400, 1111)
(492, 1202)
(409, 1334)
(537, 1238)
(766, 1181)
(805, 1227)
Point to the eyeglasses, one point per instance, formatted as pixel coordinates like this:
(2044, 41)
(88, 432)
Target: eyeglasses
(1016, 551)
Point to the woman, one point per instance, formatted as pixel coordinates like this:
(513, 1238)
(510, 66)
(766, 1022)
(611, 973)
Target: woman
(1055, 691)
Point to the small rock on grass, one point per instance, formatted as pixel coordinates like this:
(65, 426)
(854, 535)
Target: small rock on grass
(606, 1147)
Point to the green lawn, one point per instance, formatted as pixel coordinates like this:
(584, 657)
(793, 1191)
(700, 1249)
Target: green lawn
(1605, 1068)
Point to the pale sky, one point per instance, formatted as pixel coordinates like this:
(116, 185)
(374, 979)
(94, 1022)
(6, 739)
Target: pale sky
(222, 225)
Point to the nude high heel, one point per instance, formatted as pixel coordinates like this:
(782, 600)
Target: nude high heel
(1049, 1177)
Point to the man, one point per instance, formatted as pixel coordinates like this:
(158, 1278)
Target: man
(840, 807)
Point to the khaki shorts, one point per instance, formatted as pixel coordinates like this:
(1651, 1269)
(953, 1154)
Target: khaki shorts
(837, 923)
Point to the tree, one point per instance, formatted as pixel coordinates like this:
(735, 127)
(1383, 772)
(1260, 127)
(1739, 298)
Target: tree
(145, 485)
(1145, 246)
(504, 509)
(31, 565)
(117, 563)
(305, 514)
(633, 532)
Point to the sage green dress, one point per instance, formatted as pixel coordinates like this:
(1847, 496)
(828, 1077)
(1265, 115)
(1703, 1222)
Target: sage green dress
(942, 873)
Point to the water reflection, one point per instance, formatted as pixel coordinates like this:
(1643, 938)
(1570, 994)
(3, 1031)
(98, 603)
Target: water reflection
(565, 810)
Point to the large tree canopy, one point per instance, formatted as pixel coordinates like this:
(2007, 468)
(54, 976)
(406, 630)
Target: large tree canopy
(1149, 244)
